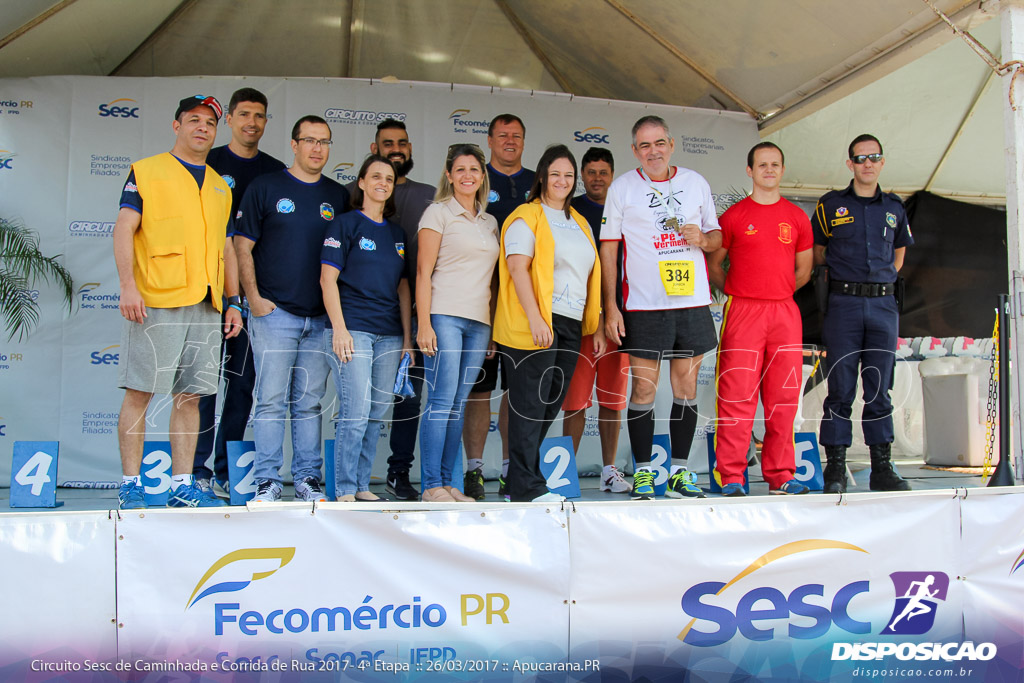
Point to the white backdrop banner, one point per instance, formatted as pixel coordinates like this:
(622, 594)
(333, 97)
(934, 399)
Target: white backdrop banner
(65, 150)
(58, 583)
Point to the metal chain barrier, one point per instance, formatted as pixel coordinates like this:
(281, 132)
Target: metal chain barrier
(993, 395)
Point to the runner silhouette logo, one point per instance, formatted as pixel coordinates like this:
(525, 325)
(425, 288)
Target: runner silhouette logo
(918, 595)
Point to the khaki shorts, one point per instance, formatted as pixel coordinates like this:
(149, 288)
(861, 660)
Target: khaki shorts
(173, 351)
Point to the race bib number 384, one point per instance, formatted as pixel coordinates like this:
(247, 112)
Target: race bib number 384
(677, 277)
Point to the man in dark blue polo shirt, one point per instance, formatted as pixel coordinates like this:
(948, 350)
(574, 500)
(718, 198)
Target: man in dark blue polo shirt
(510, 185)
(282, 219)
(861, 234)
(239, 162)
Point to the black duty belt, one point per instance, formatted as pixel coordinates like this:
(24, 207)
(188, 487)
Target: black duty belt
(862, 288)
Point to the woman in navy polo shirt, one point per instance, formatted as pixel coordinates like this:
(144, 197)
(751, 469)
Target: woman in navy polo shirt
(366, 293)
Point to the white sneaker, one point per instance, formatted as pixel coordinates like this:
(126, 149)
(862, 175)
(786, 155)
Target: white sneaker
(309, 490)
(267, 491)
(612, 480)
(549, 497)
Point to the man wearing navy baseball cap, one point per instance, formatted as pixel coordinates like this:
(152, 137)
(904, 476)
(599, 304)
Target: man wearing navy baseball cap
(174, 263)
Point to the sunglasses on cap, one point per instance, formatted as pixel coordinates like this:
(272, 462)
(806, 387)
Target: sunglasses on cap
(861, 158)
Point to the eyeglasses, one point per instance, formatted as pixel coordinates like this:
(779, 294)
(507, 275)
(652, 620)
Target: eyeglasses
(861, 158)
(313, 142)
(462, 147)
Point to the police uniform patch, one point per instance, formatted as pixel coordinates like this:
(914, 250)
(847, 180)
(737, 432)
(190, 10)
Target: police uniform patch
(229, 180)
(841, 211)
(400, 248)
(785, 233)
(493, 197)
(367, 244)
(841, 221)
(751, 230)
(890, 218)
(327, 212)
(285, 206)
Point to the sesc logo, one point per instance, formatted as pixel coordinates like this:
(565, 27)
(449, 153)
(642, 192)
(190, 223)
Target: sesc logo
(343, 172)
(592, 135)
(767, 603)
(6, 160)
(1017, 563)
(3, 427)
(339, 115)
(281, 556)
(103, 357)
(128, 109)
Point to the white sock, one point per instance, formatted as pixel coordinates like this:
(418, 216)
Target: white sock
(675, 468)
(474, 464)
(128, 480)
(607, 469)
(179, 480)
(504, 468)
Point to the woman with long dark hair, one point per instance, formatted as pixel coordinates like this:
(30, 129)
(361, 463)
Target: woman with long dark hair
(549, 297)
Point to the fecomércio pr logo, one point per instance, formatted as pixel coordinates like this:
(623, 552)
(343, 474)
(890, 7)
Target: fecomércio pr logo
(343, 172)
(7, 160)
(462, 122)
(12, 106)
(92, 296)
(121, 108)
(230, 582)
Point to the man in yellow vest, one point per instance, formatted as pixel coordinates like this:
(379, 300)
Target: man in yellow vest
(174, 263)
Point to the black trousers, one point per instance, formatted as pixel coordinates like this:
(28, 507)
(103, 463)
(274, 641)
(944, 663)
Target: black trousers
(537, 383)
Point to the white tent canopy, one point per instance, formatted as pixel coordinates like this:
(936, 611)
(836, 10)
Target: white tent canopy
(814, 73)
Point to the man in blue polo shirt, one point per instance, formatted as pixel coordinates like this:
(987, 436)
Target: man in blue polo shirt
(239, 163)
(510, 185)
(861, 234)
(283, 218)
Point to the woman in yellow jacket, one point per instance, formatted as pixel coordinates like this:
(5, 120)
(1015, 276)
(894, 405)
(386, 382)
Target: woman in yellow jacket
(549, 296)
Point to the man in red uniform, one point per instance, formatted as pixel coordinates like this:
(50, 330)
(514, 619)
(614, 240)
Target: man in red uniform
(768, 241)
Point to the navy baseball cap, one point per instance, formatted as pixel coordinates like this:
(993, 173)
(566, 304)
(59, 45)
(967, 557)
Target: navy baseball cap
(190, 103)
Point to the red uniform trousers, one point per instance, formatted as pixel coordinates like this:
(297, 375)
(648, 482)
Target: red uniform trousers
(761, 348)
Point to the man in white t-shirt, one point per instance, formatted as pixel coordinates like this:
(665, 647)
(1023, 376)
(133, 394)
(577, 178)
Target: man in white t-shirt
(664, 218)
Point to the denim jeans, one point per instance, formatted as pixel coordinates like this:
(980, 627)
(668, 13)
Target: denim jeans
(291, 377)
(449, 377)
(365, 387)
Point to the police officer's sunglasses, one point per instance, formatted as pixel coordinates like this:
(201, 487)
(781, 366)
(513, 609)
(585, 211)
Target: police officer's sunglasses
(861, 158)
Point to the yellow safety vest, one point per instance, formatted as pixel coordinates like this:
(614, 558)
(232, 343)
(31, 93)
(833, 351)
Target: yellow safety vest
(511, 326)
(179, 248)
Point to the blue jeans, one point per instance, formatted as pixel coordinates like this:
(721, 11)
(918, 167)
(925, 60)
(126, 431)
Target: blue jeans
(449, 377)
(365, 387)
(291, 376)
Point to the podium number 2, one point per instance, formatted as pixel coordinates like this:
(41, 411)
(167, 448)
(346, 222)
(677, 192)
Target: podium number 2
(563, 457)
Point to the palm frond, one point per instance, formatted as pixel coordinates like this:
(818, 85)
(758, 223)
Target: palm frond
(22, 264)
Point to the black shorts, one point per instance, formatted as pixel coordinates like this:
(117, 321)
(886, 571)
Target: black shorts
(487, 380)
(671, 333)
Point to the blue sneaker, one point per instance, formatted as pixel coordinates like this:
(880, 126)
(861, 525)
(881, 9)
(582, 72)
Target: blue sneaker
(192, 496)
(683, 484)
(733, 490)
(790, 488)
(131, 497)
(643, 485)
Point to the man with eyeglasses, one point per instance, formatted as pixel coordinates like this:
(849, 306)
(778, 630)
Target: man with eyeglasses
(239, 162)
(411, 200)
(664, 218)
(861, 234)
(174, 262)
(282, 219)
(510, 185)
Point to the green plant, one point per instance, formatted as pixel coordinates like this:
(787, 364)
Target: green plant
(21, 266)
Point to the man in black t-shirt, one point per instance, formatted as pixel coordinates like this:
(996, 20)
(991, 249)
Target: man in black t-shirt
(239, 162)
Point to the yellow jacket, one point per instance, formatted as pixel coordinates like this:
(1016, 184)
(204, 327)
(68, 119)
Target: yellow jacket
(511, 327)
(179, 248)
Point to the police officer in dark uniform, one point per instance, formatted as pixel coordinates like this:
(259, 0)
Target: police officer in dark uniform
(861, 234)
